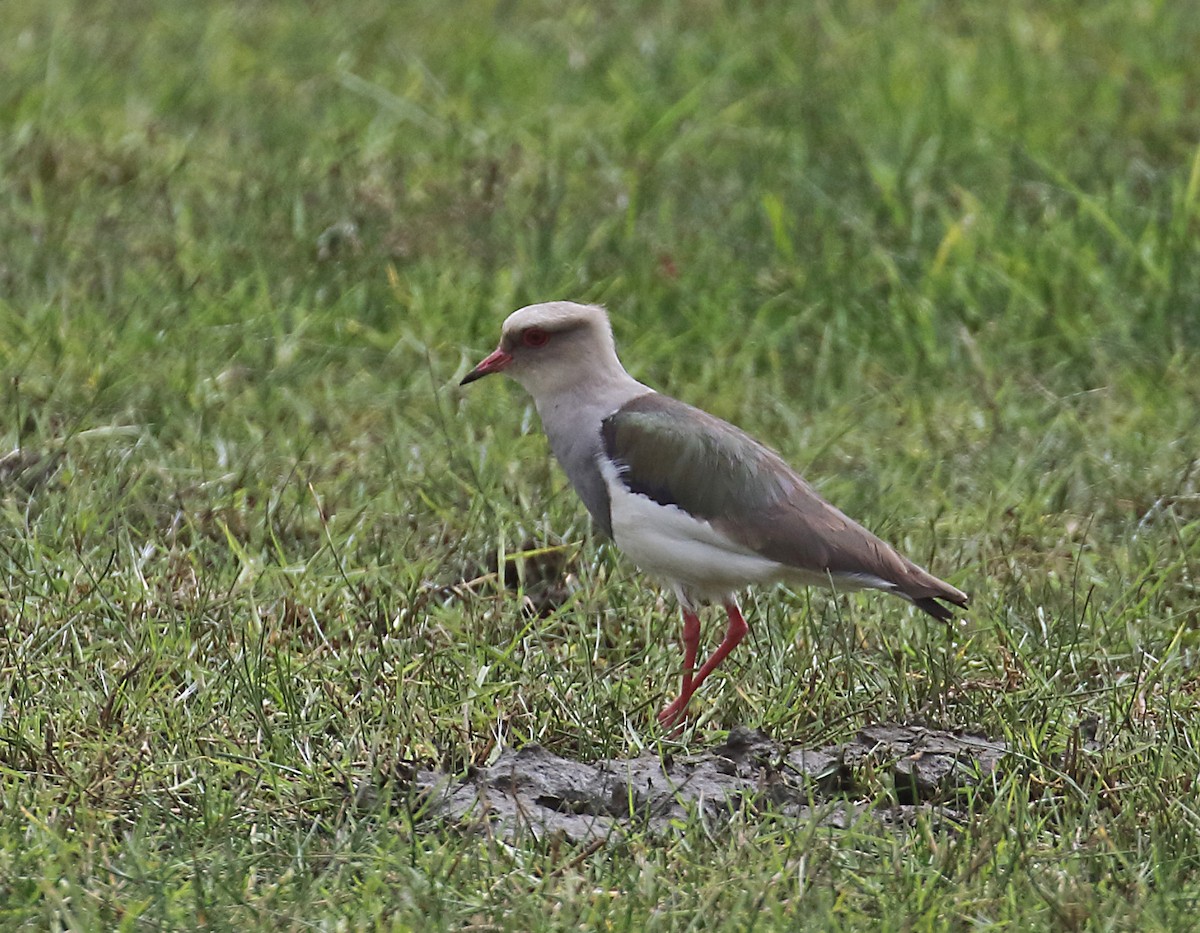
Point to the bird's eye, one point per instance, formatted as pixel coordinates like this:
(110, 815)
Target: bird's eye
(535, 337)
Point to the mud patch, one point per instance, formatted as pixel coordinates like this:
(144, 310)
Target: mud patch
(531, 790)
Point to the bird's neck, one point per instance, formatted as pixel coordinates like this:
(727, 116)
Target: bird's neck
(578, 409)
(605, 395)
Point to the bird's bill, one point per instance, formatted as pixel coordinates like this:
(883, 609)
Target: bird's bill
(494, 362)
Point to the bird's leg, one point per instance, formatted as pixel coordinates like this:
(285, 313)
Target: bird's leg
(691, 643)
(733, 635)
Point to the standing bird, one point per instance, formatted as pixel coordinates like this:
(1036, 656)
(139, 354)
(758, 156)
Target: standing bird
(690, 498)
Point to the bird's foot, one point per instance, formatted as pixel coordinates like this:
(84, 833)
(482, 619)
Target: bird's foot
(672, 717)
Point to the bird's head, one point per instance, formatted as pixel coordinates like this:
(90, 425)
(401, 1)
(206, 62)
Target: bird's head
(553, 347)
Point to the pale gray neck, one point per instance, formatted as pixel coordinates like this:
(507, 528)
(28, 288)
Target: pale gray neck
(571, 420)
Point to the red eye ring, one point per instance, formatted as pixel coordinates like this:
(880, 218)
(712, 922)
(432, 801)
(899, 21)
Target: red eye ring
(535, 337)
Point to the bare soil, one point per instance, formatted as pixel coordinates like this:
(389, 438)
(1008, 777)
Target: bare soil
(887, 772)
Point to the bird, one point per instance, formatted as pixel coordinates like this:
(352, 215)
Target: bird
(691, 499)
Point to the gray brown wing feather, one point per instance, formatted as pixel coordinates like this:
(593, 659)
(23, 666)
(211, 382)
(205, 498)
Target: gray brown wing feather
(679, 455)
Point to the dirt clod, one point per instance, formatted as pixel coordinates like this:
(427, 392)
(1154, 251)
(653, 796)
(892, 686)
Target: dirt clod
(892, 770)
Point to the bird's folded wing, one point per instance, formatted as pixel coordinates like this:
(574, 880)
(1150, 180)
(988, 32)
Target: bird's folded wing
(679, 455)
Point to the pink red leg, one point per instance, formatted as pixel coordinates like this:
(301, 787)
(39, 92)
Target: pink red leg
(733, 635)
(691, 644)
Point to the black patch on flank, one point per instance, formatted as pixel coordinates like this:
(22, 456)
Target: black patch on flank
(658, 492)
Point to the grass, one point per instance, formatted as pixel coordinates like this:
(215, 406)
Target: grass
(945, 258)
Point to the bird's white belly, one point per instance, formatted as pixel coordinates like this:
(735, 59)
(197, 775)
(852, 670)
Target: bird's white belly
(667, 542)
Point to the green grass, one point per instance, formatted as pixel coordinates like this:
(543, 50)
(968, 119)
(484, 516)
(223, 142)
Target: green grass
(945, 257)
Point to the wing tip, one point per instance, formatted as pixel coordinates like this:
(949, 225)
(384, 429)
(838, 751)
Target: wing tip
(930, 605)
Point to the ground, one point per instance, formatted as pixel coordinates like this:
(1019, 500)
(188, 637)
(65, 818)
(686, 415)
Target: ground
(264, 565)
